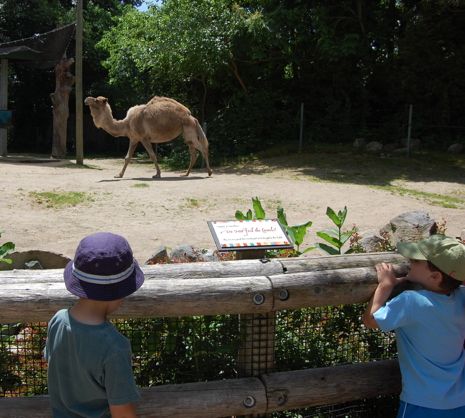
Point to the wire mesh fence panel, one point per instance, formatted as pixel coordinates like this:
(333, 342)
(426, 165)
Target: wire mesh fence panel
(201, 348)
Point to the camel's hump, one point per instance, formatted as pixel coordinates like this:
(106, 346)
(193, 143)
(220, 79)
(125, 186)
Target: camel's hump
(160, 100)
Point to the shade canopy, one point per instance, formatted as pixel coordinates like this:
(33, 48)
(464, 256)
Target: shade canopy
(43, 50)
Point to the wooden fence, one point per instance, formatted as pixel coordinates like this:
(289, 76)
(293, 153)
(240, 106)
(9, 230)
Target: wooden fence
(216, 288)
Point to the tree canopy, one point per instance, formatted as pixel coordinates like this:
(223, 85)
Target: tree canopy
(245, 66)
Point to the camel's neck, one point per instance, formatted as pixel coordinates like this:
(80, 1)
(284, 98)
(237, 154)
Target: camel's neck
(105, 121)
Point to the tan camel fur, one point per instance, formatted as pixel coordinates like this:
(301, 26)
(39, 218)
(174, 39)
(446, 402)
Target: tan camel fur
(160, 120)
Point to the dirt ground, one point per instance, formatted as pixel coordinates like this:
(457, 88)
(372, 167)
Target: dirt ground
(174, 210)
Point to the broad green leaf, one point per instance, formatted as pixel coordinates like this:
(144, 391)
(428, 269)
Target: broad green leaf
(6, 260)
(240, 216)
(249, 215)
(332, 240)
(308, 249)
(342, 215)
(291, 235)
(329, 250)
(333, 216)
(346, 235)
(281, 217)
(258, 208)
(300, 231)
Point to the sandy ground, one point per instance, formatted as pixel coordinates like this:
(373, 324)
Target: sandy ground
(174, 210)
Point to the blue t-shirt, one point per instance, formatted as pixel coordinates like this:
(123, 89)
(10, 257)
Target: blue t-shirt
(89, 368)
(430, 334)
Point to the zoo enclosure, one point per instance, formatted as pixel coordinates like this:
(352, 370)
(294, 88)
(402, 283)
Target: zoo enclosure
(258, 291)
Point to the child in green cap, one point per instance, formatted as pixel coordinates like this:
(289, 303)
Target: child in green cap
(429, 326)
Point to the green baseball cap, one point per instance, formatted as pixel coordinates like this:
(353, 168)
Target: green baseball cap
(446, 253)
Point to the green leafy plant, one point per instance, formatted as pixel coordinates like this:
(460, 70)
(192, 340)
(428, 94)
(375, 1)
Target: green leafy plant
(258, 211)
(335, 237)
(5, 249)
(296, 233)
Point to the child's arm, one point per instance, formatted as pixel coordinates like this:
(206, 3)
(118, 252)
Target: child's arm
(386, 282)
(123, 411)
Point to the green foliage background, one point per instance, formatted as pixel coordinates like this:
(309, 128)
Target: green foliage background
(245, 66)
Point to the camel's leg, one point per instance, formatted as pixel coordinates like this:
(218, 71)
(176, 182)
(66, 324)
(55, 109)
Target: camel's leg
(205, 157)
(149, 148)
(194, 154)
(132, 148)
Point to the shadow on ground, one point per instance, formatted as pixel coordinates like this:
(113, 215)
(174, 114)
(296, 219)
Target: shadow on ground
(362, 169)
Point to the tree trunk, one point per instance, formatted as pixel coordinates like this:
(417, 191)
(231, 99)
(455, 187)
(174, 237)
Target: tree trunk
(64, 81)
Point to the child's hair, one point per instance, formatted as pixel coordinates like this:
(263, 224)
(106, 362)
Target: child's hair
(448, 283)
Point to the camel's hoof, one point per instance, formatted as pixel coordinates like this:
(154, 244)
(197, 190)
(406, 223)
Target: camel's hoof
(156, 176)
(210, 173)
(118, 176)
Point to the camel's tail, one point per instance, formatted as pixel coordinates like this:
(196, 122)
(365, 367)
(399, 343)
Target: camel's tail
(204, 143)
(201, 135)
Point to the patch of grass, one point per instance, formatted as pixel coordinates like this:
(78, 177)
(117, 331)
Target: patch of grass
(140, 185)
(192, 203)
(57, 200)
(435, 199)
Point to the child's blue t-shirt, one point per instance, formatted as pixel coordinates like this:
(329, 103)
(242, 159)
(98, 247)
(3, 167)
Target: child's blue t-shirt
(89, 368)
(430, 334)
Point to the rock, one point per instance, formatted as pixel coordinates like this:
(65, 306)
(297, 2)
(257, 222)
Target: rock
(186, 252)
(371, 242)
(47, 259)
(455, 148)
(210, 255)
(374, 146)
(410, 226)
(359, 142)
(415, 143)
(390, 147)
(160, 255)
(33, 265)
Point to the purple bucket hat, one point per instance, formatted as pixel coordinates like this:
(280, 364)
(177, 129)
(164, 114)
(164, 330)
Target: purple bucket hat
(103, 268)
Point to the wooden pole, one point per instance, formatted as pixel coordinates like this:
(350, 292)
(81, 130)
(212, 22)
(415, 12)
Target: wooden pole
(256, 353)
(283, 391)
(409, 129)
(79, 105)
(3, 103)
(301, 134)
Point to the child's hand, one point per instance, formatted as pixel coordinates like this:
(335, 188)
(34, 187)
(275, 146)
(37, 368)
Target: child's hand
(386, 275)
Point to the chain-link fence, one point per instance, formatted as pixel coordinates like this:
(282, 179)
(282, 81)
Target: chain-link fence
(201, 348)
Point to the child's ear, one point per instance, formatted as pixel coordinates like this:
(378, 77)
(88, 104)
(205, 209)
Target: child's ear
(436, 276)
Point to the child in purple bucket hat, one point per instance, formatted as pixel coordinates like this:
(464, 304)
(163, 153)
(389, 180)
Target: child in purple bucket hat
(89, 361)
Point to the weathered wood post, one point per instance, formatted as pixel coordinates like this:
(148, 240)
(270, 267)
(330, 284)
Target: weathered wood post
(256, 352)
(64, 81)
(3, 103)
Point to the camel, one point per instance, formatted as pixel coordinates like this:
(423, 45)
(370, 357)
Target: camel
(160, 120)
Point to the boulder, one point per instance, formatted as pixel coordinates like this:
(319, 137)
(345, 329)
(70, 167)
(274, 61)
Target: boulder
(371, 242)
(374, 147)
(159, 256)
(186, 252)
(455, 148)
(410, 226)
(46, 259)
(359, 142)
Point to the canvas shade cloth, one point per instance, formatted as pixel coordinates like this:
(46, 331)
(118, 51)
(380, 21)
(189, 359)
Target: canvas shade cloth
(41, 50)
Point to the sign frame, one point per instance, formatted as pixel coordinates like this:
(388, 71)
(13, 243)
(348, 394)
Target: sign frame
(241, 244)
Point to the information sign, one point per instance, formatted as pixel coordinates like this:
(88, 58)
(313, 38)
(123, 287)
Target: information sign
(254, 234)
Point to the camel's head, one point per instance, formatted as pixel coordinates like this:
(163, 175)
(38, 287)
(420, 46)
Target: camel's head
(96, 102)
(99, 109)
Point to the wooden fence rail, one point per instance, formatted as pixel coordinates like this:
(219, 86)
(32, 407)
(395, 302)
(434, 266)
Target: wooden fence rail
(248, 286)
(239, 287)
